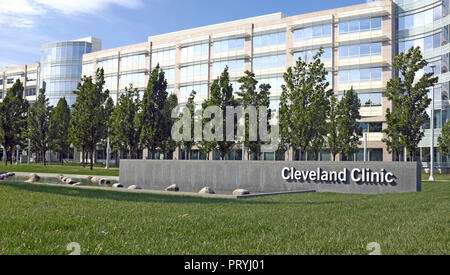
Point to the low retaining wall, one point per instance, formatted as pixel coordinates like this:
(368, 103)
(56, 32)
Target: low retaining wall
(273, 176)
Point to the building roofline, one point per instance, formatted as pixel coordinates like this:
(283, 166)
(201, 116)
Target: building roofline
(256, 19)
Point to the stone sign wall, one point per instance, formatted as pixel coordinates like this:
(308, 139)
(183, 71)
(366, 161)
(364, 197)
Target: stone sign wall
(273, 176)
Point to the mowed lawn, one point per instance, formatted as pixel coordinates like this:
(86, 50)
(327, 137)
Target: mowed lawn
(69, 168)
(37, 219)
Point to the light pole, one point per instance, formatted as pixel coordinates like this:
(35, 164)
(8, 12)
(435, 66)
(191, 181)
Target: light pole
(432, 65)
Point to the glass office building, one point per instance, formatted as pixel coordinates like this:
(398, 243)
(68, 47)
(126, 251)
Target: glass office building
(359, 42)
(61, 66)
(426, 24)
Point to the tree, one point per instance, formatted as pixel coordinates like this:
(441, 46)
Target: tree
(221, 96)
(168, 145)
(38, 125)
(250, 96)
(186, 145)
(151, 117)
(125, 130)
(304, 105)
(333, 141)
(58, 129)
(349, 130)
(89, 116)
(13, 119)
(409, 103)
(444, 140)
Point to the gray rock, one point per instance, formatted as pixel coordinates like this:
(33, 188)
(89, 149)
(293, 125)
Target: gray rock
(134, 187)
(69, 181)
(10, 174)
(77, 184)
(206, 190)
(104, 181)
(117, 185)
(172, 188)
(240, 192)
(95, 180)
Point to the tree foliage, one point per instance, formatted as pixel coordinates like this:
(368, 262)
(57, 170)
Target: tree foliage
(444, 140)
(59, 141)
(409, 103)
(249, 95)
(152, 118)
(221, 95)
(88, 124)
(304, 105)
(125, 130)
(13, 119)
(344, 131)
(38, 125)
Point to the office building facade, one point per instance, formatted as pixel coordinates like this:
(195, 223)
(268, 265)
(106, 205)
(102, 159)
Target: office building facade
(358, 53)
(359, 45)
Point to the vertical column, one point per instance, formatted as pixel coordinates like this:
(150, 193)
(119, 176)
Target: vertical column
(335, 51)
(248, 48)
(210, 63)
(289, 46)
(177, 68)
(25, 80)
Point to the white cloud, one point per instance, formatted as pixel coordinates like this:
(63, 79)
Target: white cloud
(25, 13)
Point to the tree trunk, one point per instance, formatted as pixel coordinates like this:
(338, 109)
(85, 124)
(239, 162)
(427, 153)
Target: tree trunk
(43, 153)
(5, 155)
(92, 160)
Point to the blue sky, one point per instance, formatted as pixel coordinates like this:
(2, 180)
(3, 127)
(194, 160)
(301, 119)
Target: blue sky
(27, 24)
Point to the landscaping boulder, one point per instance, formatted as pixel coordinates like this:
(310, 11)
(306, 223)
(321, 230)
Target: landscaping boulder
(33, 178)
(134, 187)
(89, 178)
(240, 192)
(69, 181)
(2, 176)
(206, 190)
(103, 181)
(117, 185)
(95, 180)
(10, 174)
(172, 188)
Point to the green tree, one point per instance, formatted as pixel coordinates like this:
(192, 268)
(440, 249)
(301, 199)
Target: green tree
(89, 116)
(304, 105)
(409, 103)
(168, 145)
(444, 140)
(221, 95)
(59, 141)
(125, 130)
(152, 115)
(38, 125)
(186, 145)
(249, 95)
(13, 119)
(349, 130)
(333, 141)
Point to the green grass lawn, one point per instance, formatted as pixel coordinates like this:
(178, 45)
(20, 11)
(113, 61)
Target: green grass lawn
(38, 219)
(72, 168)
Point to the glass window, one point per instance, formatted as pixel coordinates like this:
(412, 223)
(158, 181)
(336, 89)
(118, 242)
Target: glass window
(375, 23)
(262, 40)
